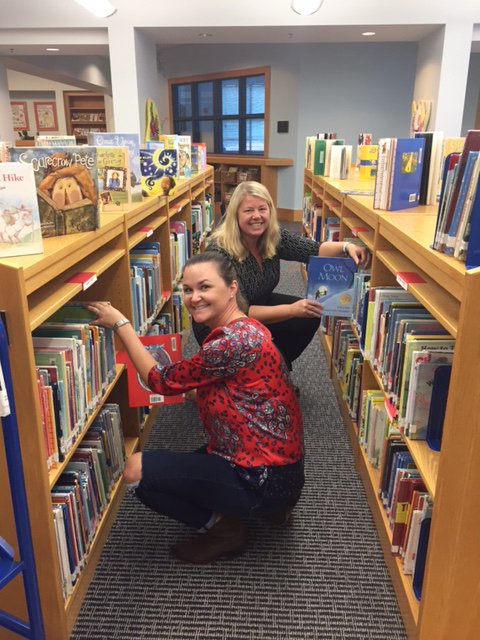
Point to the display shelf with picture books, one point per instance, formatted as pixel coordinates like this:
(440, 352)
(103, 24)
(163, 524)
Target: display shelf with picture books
(33, 288)
(402, 252)
(260, 169)
(84, 112)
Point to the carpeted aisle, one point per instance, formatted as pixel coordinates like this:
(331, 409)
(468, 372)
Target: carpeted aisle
(321, 576)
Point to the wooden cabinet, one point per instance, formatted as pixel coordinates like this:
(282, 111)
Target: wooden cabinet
(32, 289)
(400, 242)
(84, 112)
(264, 170)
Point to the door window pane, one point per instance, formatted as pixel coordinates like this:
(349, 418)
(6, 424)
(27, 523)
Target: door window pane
(205, 129)
(230, 97)
(230, 138)
(255, 95)
(205, 98)
(255, 132)
(184, 128)
(184, 100)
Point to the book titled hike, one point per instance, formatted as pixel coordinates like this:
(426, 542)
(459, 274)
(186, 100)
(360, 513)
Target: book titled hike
(20, 232)
(330, 282)
(166, 349)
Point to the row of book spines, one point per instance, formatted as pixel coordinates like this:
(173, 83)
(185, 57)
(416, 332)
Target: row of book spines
(179, 247)
(459, 205)
(320, 230)
(422, 361)
(146, 283)
(402, 494)
(83, 491)
(72, 376)
(408, 506)
(202, 218)
(181, 317)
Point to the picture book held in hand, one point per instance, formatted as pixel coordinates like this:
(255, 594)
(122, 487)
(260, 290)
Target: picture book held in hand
(166, 349)
(20, 232)
(66, 182)
(330, 282)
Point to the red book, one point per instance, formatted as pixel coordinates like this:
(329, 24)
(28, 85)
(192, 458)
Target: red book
(166, 349)
(406, 487)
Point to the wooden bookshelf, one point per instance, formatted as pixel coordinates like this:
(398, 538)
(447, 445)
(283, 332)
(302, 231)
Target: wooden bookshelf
(400, 241)
(34, 287)
(266, 168)
(84, 111)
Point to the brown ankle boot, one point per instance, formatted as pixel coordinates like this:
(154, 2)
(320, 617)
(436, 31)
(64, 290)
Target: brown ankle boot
(227, 537)
(282, 515)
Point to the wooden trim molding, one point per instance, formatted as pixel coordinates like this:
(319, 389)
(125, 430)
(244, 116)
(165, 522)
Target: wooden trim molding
(294, 215)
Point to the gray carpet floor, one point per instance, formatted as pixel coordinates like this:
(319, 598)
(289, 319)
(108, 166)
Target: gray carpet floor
(322, 576)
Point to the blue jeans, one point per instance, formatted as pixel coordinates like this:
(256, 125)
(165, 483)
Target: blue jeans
(192, 487)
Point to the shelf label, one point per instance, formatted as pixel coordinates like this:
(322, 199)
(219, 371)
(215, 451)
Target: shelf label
(357, 230)
(404, 278)
(85, 278)
(147, 230)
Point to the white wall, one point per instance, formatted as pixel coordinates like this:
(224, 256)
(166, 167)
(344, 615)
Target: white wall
(473, 94)
(6, 126)
(347, 88)
(428, 70)
(31, 88)
(146, 73)
(92, 69)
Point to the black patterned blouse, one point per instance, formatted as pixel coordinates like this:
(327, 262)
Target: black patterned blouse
(257, 284)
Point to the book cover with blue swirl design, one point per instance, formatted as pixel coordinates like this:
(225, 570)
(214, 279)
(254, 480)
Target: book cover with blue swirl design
(330, 282)
(159, 171)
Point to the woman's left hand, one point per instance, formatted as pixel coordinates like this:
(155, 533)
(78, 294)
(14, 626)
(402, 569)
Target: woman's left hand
(361, 255)
(107, 315)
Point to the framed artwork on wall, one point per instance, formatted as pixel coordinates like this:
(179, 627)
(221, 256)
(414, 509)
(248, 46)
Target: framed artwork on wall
(45, 116)
(19, 116)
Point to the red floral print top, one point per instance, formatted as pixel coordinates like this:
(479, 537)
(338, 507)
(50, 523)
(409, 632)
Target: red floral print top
(246, 400)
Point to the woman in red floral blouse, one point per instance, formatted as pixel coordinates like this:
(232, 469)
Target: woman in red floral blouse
(252, 464)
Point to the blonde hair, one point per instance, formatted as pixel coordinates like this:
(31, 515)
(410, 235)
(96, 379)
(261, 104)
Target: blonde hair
(228, 235)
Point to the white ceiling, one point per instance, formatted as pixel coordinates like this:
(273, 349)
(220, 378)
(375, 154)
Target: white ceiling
(172, 36)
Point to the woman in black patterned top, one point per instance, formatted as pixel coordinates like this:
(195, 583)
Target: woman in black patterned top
(250, 237)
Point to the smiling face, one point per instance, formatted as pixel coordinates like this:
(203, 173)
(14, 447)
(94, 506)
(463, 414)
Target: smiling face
(253, 216)
(207, 296)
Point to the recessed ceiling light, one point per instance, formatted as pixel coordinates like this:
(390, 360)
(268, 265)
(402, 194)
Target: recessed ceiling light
(52, 49)
(205, 35)
(99, 8)
(306, 7)
(368, 33)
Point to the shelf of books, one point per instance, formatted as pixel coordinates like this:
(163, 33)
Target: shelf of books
(232, 170)
(405, 367)
(75, 424)
(84, 113)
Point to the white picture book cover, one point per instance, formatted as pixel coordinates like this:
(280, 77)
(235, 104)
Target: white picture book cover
(20, 232)
(330, 282)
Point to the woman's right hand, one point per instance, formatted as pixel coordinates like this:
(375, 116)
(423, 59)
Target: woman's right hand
(306, 309)
(106, 315)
